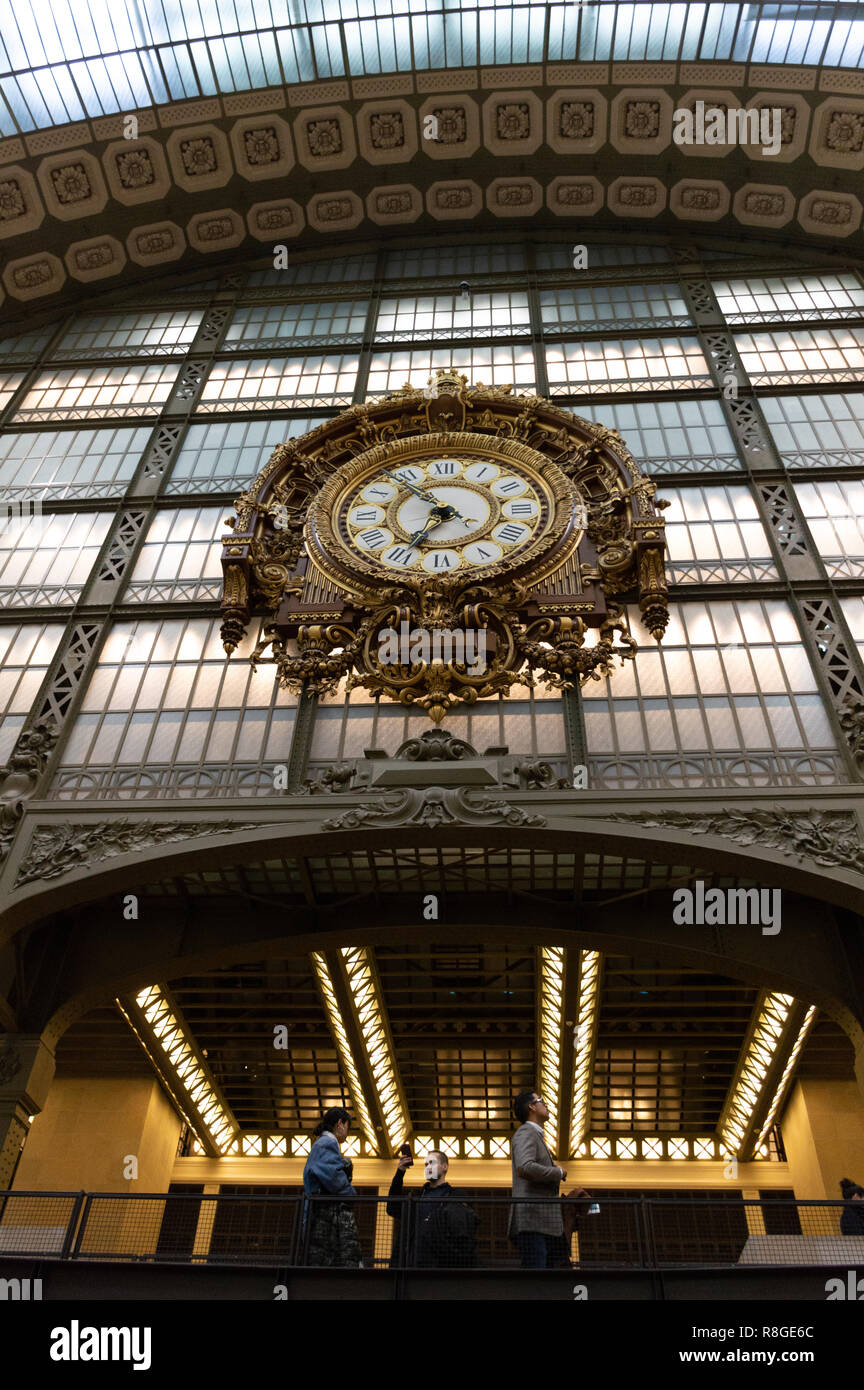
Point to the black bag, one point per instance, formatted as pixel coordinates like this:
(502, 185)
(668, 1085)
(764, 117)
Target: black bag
(445, 1233)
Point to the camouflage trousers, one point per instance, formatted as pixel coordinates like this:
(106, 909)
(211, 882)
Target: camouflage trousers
(334, 1240)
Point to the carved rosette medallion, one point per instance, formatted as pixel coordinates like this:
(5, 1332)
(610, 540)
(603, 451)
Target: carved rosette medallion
(497, 529)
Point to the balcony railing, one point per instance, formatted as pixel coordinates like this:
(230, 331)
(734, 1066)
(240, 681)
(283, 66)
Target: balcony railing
(289, 1231)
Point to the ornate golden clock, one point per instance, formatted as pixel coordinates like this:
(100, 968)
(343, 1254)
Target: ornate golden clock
(473, 514)
(448, 506)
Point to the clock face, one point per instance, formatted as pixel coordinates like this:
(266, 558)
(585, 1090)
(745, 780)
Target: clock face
(448, 514)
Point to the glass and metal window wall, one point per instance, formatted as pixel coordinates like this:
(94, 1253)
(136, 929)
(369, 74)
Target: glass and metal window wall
(732, 697)
(90, 58)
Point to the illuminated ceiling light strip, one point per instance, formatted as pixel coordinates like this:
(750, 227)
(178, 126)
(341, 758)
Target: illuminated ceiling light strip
(551, 1033)
(587, 1018)
(343, 1046)
(749, 1087)
(372, 1022)
(787, 1074)
(187, 1074)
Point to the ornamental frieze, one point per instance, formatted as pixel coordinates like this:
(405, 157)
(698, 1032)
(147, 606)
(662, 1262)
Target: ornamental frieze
(829, 838)
(60, 849)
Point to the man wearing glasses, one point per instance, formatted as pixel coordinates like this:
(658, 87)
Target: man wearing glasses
(537, 1228)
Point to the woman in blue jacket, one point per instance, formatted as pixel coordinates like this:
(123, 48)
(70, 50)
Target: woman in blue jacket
(333, 1236)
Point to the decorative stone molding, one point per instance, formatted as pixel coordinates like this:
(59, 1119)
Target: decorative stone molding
(457, 121)
(136, 170)
(32, 276)
(331, 780)
(573, 195)
(183, 149)
(21, 208)
(196, 109)
(324, 138)
(829, 213)
(829, 838)
(318, 93)
(340, 211)
(394, 84)
(58, 850)
(838, 133)
(636, 196)
(513, 123)
(435, 745)
(275, 221)
(576, 120)
(387, 132)
(454, 199)
(12, 148)
(447, 80)
(72, 184)
(10, 818)
(711, 96)
(644, 72)
(20, 776)
(514, 197)
(216, 231)
(156, 243)
(95, 258)
(262, 146)
(432, 807)
(840, 80)
(764, 205)
(111, 127)
(703, 74)
(699, 200)
(640, 120)
(851, 719)
(794, 124)
(782, 77)
(11, 1062)
(577, 74)
(200, 158)
(27, 761)
(63, 137)
(249, 103)
(394, 204)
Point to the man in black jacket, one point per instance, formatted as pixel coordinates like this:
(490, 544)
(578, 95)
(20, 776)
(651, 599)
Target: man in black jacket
(440, 1233)
(852, 1220)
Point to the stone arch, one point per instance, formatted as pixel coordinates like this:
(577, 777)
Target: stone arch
(770, 852)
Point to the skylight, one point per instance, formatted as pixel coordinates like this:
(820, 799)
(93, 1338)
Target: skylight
(70, 59)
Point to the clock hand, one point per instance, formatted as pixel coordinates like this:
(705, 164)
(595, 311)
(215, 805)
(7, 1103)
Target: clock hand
(438, 515)
(431, 522)
(453, 515)
(418, 492)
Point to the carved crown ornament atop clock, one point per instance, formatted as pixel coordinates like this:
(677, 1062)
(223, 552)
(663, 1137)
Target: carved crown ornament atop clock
(395, 543)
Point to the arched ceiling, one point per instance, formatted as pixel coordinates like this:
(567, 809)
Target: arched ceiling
(98, 204)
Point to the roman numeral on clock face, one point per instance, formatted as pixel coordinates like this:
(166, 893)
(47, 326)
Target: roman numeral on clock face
(366, 514)
(508, 487)
(521, 508)
(511, 533)
(444, 468)
(372, 539)
(399, 555)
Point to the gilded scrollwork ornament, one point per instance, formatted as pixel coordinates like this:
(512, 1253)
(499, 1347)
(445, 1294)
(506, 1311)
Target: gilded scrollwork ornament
(653, 600)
